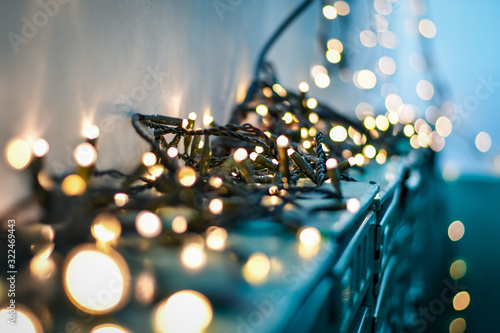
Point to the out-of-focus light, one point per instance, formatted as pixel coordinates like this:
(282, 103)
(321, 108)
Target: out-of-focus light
(156, 170)
(418, 63)
(109, 328)
(106, 228)
(406, 113)
(381, 158)
(312, 132)
(483, 142)
(380, 23)
(322, 80)
(359, 159)
(451, 172)
(342, 8)
(458, 269)
(148, 159)
(270, 200)
(45, 180)
(353, 205)
(388, 39)
(186, 311)
(91, 132)
(414, 142)
(335, 44)
(387, 66)
(461, 301)
(145, 288)
(287, 118)
(331, 163)
(369, 122)
(383, 7)
(282, 141)
(425, 90)
(432, 114)
(393, 117)
(368, 38)
(186, 176)
(240, 155)
(42, 267)
(73, 185)
(338, 133)
(192, 116)
(85, 154)
(303, 86)
(18, 154)
(329, 12)
(279, 90)
(304, 133)
(193, 256)
(369, 151)
(333, 56)
(382, 122)
(94, 281)
(40, 148)
(215, 206)
(312, 103)
(365, 79)
(423, 140)
(216, 238)
(179, 224)
(262, 110)
(436, 142)
(309, 236)
(443, 126)
(393, 102)
(421, 126)
(458, 325)
(148, 224)
(267, 92)
(207, 120)
(456, 231)
(25, 320)
(172, 152)
(318, 69)
(257, 268)
(215, 182)
(121, 199)
(427, 28)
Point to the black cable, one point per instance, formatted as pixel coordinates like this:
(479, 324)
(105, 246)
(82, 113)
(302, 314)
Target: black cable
(269, 44)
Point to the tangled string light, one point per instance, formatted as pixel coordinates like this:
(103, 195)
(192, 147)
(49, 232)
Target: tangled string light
(279, 145)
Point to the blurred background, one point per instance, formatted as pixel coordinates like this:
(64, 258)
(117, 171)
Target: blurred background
(66, 64)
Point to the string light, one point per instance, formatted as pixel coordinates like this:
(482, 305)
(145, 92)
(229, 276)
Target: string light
(483, 142)
(184, 182)
(257, 268)
(329, 12)
(148, 224)
(87, 277)
(193, 256)
(186, 311)
(85, 154)
(40, 148)
(73, 185)
(18, 154)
